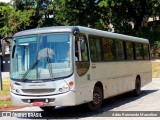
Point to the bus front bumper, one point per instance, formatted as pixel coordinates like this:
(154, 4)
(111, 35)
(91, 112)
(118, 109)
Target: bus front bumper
(65, 99)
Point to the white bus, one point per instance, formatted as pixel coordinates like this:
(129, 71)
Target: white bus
(72, 65)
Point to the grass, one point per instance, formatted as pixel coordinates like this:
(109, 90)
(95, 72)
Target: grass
(5, 92)
(5, 103)
(6, 86)
(155, 69)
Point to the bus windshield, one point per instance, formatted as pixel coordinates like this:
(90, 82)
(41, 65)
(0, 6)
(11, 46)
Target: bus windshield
(44, 56)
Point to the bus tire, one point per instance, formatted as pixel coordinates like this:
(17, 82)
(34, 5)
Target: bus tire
(137, 90)
(96, 103)
(47, 108)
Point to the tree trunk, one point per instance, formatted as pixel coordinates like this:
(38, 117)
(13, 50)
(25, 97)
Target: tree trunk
(138, 22)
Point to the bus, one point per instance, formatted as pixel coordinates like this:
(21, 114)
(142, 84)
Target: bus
(73, 65)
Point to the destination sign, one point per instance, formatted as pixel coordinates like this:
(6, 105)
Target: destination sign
(27, 39)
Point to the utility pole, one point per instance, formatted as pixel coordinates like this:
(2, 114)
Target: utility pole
(1, 83)
(3, 43)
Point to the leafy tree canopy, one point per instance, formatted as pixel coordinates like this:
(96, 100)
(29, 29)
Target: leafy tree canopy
(127, 16)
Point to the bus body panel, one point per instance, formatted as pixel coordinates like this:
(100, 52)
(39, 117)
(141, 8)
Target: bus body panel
(119, 77)
(65, 99)
(84, 89)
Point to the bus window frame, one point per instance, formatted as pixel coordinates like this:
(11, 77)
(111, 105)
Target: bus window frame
(115, 49)
(80, 60)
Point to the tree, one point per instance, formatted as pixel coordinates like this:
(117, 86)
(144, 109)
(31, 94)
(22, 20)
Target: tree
(5, 10)
(43, 10)
(78, 12)
(126, 16)
(129, 15)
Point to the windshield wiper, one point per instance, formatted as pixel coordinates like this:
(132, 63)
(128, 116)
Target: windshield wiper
(50, 66)
(33, 65)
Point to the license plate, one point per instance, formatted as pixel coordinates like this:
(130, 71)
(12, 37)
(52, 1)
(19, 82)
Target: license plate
(38, 103)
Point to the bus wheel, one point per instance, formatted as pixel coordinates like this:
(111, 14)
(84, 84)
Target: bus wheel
(47, 108)
(137, 90)
(96, 103)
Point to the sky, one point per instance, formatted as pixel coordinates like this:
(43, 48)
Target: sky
(5, 1)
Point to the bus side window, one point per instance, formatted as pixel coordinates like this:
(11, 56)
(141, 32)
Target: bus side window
(119, 50)
(129, 50)
(108, 49)
(95, 48)
(139, 51)
(146, 51)
(76, 50)
(81, 55)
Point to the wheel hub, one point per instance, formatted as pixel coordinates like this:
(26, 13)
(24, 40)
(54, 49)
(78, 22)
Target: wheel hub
(96, 99)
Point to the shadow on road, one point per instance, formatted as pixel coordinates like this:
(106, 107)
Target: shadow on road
(81, 110)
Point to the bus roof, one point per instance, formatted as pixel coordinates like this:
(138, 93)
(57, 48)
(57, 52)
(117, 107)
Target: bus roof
(46, 30)
(89, 31)
(111, 35)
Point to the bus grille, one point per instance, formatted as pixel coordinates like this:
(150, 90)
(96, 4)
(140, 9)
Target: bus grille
(38, 91)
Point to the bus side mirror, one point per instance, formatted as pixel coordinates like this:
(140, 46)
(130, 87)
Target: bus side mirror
(82, 42)
(4, 42)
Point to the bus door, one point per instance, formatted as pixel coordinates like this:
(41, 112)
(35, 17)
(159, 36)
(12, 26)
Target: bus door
(82, 71)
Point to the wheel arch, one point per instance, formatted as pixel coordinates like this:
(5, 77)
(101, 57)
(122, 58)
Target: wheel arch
(138, 76)
(100, 85)
(137, 90)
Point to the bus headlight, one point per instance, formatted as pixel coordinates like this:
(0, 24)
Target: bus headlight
(12, 87)
(60, 89)
(63, 88)
(17, 91)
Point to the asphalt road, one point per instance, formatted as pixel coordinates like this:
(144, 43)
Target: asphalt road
(149, 100)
